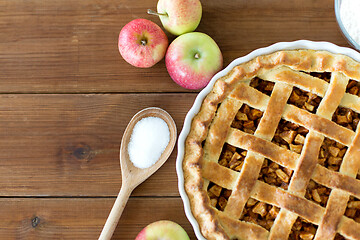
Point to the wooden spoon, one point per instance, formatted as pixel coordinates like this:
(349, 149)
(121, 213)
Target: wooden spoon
(131, 175)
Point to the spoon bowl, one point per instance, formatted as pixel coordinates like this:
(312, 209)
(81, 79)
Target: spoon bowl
(132, 176)
(126, 165)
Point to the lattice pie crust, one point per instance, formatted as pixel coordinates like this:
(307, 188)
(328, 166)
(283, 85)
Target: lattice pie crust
(274, 152)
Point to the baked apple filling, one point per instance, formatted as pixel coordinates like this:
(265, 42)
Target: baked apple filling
(274, 174)
(346, 118)
(326, 76)
(302, 230)
(317, 193)
(259, 213)
(247, 119)
(218, 196)
(331, 154)
(339, 237)
(304, 100)
(353, 87)
(353, 209)
(290, 136)
(262, 85)
(232, 157)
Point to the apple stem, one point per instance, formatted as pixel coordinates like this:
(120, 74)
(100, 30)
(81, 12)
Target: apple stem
(149, 11)
(143, 42)
(197, 56)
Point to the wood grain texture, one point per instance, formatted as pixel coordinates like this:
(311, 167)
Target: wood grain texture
(68, 145)
(65, 46)
(83, 218)
(55, 145)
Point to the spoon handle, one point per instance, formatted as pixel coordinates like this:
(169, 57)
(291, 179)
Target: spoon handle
(115, 213)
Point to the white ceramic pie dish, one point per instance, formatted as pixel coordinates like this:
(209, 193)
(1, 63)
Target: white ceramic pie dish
(301, 44)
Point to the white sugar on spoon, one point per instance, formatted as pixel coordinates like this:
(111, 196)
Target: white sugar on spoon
(149, 139)
(138, 170)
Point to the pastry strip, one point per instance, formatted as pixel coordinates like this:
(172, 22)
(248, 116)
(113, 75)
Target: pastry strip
(253, 163)
(267, 149)
(336, 204)
(309, 154)
(298, 79)
(326, 127)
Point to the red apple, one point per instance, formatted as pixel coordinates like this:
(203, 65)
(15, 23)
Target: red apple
(192, 59)
(142, 43)
(165, 230)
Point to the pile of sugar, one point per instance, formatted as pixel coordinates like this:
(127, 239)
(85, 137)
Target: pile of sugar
(349, 14)
(148, 141)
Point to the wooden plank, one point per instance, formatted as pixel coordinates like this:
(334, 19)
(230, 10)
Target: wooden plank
(71, 46)
(68, 144)
(74, 218)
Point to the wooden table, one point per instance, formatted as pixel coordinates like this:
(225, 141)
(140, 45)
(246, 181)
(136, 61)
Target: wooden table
(67, 96)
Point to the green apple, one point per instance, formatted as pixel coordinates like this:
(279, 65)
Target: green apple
(179, 16)
(164, 230)
(192, 59)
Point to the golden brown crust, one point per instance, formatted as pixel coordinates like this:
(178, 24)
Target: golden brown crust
(210, 130)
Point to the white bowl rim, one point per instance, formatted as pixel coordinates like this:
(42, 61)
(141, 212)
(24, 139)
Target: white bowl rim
(299, 44)
(337, 5)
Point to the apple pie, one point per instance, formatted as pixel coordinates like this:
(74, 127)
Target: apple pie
(274, 152)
